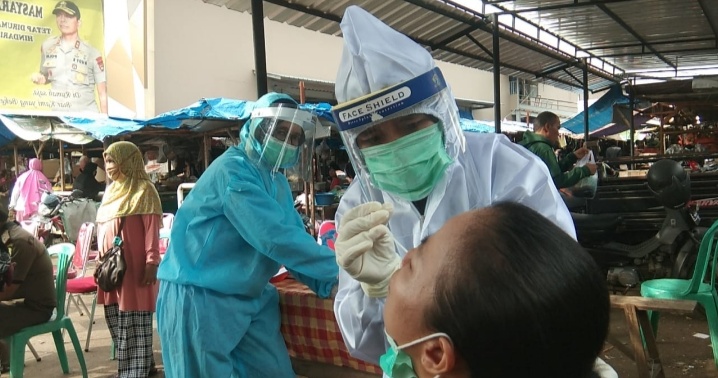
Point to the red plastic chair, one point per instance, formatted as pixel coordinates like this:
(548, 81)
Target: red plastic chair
(81, 284)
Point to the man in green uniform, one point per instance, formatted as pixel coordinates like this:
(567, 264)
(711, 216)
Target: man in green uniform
(29, 296)
(542, 142)
(72, 66)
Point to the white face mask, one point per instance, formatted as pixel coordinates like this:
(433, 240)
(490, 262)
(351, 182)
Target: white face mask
(397, 364)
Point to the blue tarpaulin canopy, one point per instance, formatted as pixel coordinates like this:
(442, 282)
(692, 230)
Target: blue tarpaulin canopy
(600, 113)
(204, 115)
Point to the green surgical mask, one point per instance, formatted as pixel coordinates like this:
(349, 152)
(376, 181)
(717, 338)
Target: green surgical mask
(409, 166)
(273, 152)
(397, 364)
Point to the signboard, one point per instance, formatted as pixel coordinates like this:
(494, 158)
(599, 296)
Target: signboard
(52, 57)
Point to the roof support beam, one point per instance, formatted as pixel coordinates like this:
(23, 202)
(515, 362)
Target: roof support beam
(711, 13)
(482, 47)
(478, 20)
(625, 26)
(551, 70)
(617, 55)
(563, 6)
(477, 24)
(311, 11)
(453, 37)
(653, 43)
(580, 83)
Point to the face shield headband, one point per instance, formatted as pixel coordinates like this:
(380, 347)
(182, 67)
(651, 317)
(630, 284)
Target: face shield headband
(427, 94)
(283, 139)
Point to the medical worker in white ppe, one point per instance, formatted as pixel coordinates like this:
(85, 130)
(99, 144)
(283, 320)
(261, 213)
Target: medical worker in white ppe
(415, 170)
(217, 313)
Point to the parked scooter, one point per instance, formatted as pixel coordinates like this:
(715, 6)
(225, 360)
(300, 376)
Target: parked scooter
(50, 226)
(671, 252)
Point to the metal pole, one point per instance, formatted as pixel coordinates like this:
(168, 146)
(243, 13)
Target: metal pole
(585, 100)
(62, 166)
(497, 74)
(206, 141)
(17, 159)
(632, 133)
(260, 53)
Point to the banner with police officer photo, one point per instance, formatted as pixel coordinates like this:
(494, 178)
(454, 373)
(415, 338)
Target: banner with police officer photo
(52, 58)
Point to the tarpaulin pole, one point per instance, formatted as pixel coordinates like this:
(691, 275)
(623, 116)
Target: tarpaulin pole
(497, 74)
(632, 132)
(62, 166)
(206, 141)
(260, 53)
(585, 99)
(14, 150)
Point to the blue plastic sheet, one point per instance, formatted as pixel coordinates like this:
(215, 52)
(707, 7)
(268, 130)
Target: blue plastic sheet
(599, 114)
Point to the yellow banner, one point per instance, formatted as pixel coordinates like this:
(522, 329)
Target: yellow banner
(52, 57)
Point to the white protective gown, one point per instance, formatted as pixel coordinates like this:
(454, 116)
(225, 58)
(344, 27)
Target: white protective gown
(492, 169)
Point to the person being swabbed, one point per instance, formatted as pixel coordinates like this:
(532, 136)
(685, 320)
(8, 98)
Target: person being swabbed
(415, 169)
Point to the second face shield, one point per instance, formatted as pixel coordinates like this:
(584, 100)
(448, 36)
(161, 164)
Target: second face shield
(283, 137)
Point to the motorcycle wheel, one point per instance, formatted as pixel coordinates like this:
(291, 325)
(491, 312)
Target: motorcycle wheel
(685, 262)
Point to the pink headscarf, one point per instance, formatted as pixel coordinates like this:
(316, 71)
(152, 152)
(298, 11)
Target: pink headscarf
(31, 185)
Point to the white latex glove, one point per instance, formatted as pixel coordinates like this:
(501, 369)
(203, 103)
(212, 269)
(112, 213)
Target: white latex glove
(365, 247)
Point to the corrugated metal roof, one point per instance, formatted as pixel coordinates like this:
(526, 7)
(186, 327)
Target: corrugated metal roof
(635, 35)
(451, 33)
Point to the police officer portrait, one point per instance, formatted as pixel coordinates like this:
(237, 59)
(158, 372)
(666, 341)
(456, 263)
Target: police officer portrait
(71, 66)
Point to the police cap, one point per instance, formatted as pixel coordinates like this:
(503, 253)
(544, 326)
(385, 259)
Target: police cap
(68, 7)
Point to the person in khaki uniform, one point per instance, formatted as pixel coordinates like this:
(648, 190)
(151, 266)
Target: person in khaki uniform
(72, 66)
(29, 298)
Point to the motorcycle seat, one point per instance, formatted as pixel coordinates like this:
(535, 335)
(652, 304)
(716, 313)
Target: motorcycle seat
(602, 222)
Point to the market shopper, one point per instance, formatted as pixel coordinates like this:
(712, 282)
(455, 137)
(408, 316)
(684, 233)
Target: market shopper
(496, 270)
(218, 315)
(28, 190)
(87, 183)
(399, 122)
(131, 210)
(542, 142)
(72, 66)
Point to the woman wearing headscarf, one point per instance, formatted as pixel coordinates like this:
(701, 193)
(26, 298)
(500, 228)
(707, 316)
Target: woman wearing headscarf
(131, 209)
(28, 190)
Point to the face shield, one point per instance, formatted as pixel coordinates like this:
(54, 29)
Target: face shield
(402, 138)
(282, 139)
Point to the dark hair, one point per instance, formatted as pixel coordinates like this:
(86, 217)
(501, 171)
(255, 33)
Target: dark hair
(349, 170)
(333, 165)
(543, 119)
(521, 298)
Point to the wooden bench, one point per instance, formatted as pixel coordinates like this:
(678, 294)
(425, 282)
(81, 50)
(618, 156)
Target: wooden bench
(635, 310)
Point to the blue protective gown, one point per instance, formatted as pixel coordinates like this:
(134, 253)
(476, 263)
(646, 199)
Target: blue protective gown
(217, 314)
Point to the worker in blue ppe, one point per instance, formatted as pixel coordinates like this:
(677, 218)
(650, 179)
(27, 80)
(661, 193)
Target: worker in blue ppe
(415, 169)
(217, 313)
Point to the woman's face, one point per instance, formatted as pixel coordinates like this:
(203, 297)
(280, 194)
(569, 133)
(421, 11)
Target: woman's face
(411, 289)
(112, 168)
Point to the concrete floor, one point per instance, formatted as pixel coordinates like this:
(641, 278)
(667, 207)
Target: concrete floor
(683, 354)
(97, 359)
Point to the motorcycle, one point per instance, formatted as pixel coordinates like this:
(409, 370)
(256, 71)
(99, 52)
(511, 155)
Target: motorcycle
(671, 252)
(48, 217)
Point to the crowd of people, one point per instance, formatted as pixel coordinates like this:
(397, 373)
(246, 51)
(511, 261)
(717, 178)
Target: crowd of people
(446, 240)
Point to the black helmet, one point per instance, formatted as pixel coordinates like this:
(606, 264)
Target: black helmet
(50, 200)
(670, 183)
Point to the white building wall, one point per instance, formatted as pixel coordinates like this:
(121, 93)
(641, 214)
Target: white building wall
(202, 50)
